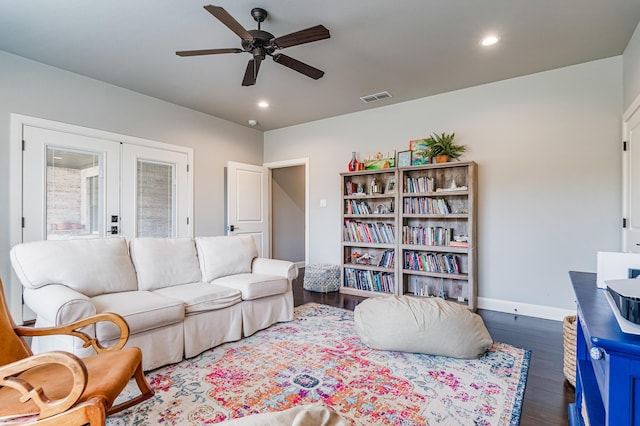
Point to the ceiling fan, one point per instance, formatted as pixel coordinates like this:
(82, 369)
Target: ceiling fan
(262, 44)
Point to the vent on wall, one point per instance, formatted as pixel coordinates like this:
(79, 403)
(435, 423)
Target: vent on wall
(376, 97)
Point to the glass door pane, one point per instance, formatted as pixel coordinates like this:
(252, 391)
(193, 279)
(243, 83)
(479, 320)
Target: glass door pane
(70, 185)
(155, 199)
(74, 193)
(155, 196)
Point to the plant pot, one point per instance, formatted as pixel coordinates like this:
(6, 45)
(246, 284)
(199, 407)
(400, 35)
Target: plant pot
(441, 158)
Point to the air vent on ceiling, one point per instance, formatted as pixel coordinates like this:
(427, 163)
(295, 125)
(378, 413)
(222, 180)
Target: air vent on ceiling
(376, 97)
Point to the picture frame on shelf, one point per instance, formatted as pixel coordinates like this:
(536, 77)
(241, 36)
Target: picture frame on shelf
(404, 159)
(391, 186)
(418, 158)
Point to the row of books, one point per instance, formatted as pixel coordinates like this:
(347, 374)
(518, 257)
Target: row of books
(431, 262)
(426, 205)
(419, 184)
(369, 280)
(387, 259)
(429, 236)
(368, 232)
(357, 207)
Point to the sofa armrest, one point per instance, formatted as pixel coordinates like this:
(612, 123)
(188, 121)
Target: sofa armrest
(58, 304)
(281, 268)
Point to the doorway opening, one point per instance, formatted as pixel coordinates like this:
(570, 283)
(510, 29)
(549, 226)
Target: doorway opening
(290, 210)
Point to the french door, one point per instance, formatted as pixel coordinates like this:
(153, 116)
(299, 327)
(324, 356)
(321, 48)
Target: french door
(71, 185)
(154, 192)
(77, 186)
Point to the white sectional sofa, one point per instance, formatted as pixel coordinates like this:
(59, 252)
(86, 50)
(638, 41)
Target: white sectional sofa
(180, 296)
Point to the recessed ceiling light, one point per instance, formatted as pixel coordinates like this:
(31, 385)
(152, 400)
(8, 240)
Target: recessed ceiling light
(490, 40)
(263, 104)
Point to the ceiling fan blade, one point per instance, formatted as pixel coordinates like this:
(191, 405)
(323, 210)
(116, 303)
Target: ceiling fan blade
(228, 20)
(319, 32)
(296, 65)
(207, 52)
(251, 73)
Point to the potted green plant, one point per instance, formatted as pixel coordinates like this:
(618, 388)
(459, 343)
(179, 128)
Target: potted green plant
(443, 149)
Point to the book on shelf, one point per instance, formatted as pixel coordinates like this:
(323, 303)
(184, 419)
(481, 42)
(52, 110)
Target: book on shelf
(383, 282)
(419, 184)
(447, 263)
(459, 244)
(427, 236)
(353, 188)
(368, 232)
(426, 205)
(357, 207)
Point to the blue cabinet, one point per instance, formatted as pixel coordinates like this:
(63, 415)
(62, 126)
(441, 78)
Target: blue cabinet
(608, 361)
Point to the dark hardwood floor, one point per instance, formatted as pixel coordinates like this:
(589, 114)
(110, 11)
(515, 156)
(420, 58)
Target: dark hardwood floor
(547, 392)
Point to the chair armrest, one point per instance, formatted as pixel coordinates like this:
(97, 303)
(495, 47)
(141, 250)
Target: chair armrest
(72, 329)
(58, 304)
(47, 407)
(281, 268)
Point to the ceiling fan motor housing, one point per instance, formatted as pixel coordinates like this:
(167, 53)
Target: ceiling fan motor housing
(261, 44)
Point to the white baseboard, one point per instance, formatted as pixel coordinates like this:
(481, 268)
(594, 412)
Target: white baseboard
(526, 309)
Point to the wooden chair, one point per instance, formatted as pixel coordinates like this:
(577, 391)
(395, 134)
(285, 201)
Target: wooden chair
(58, 388)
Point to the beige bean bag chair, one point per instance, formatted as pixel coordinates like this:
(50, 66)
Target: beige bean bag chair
(423, 325)
(303, 415)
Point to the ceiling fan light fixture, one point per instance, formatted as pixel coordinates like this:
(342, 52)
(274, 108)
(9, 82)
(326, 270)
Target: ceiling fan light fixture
(263, 104)
(490, 40)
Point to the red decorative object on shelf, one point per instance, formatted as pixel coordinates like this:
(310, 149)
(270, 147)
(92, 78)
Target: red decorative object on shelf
(353, 164)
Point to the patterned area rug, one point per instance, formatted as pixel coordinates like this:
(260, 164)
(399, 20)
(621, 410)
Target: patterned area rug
(318, 357)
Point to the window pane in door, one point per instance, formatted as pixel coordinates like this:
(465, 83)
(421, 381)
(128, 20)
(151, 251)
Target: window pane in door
(155, 199)
(74, 193)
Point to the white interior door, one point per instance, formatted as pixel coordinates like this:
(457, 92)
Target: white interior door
(155, 193)
(248, 203)
(71, 185)
(631, 183)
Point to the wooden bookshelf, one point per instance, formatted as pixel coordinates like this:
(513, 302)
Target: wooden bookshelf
(427, 261)
(370, 229)
(432, 206)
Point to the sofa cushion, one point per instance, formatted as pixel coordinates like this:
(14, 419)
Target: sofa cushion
(90, 266)
(228, 255)
(164, 262)
(425, 325)
(200, 297)
(143, 310)
(254, 286)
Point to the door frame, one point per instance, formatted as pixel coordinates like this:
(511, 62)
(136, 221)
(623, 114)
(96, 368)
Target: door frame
(633, 109)
(290, 163)
(17, 122)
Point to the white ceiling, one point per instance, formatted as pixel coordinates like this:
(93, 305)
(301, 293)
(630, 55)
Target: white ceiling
(411, 48)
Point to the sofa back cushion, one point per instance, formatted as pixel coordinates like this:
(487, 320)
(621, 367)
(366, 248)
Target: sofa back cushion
(90, 266)
(228, 255)
(164, 262)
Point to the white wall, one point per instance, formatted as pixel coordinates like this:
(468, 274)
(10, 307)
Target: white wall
(631, 70)
(38, 90)
(548, 150)
(287, 213)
